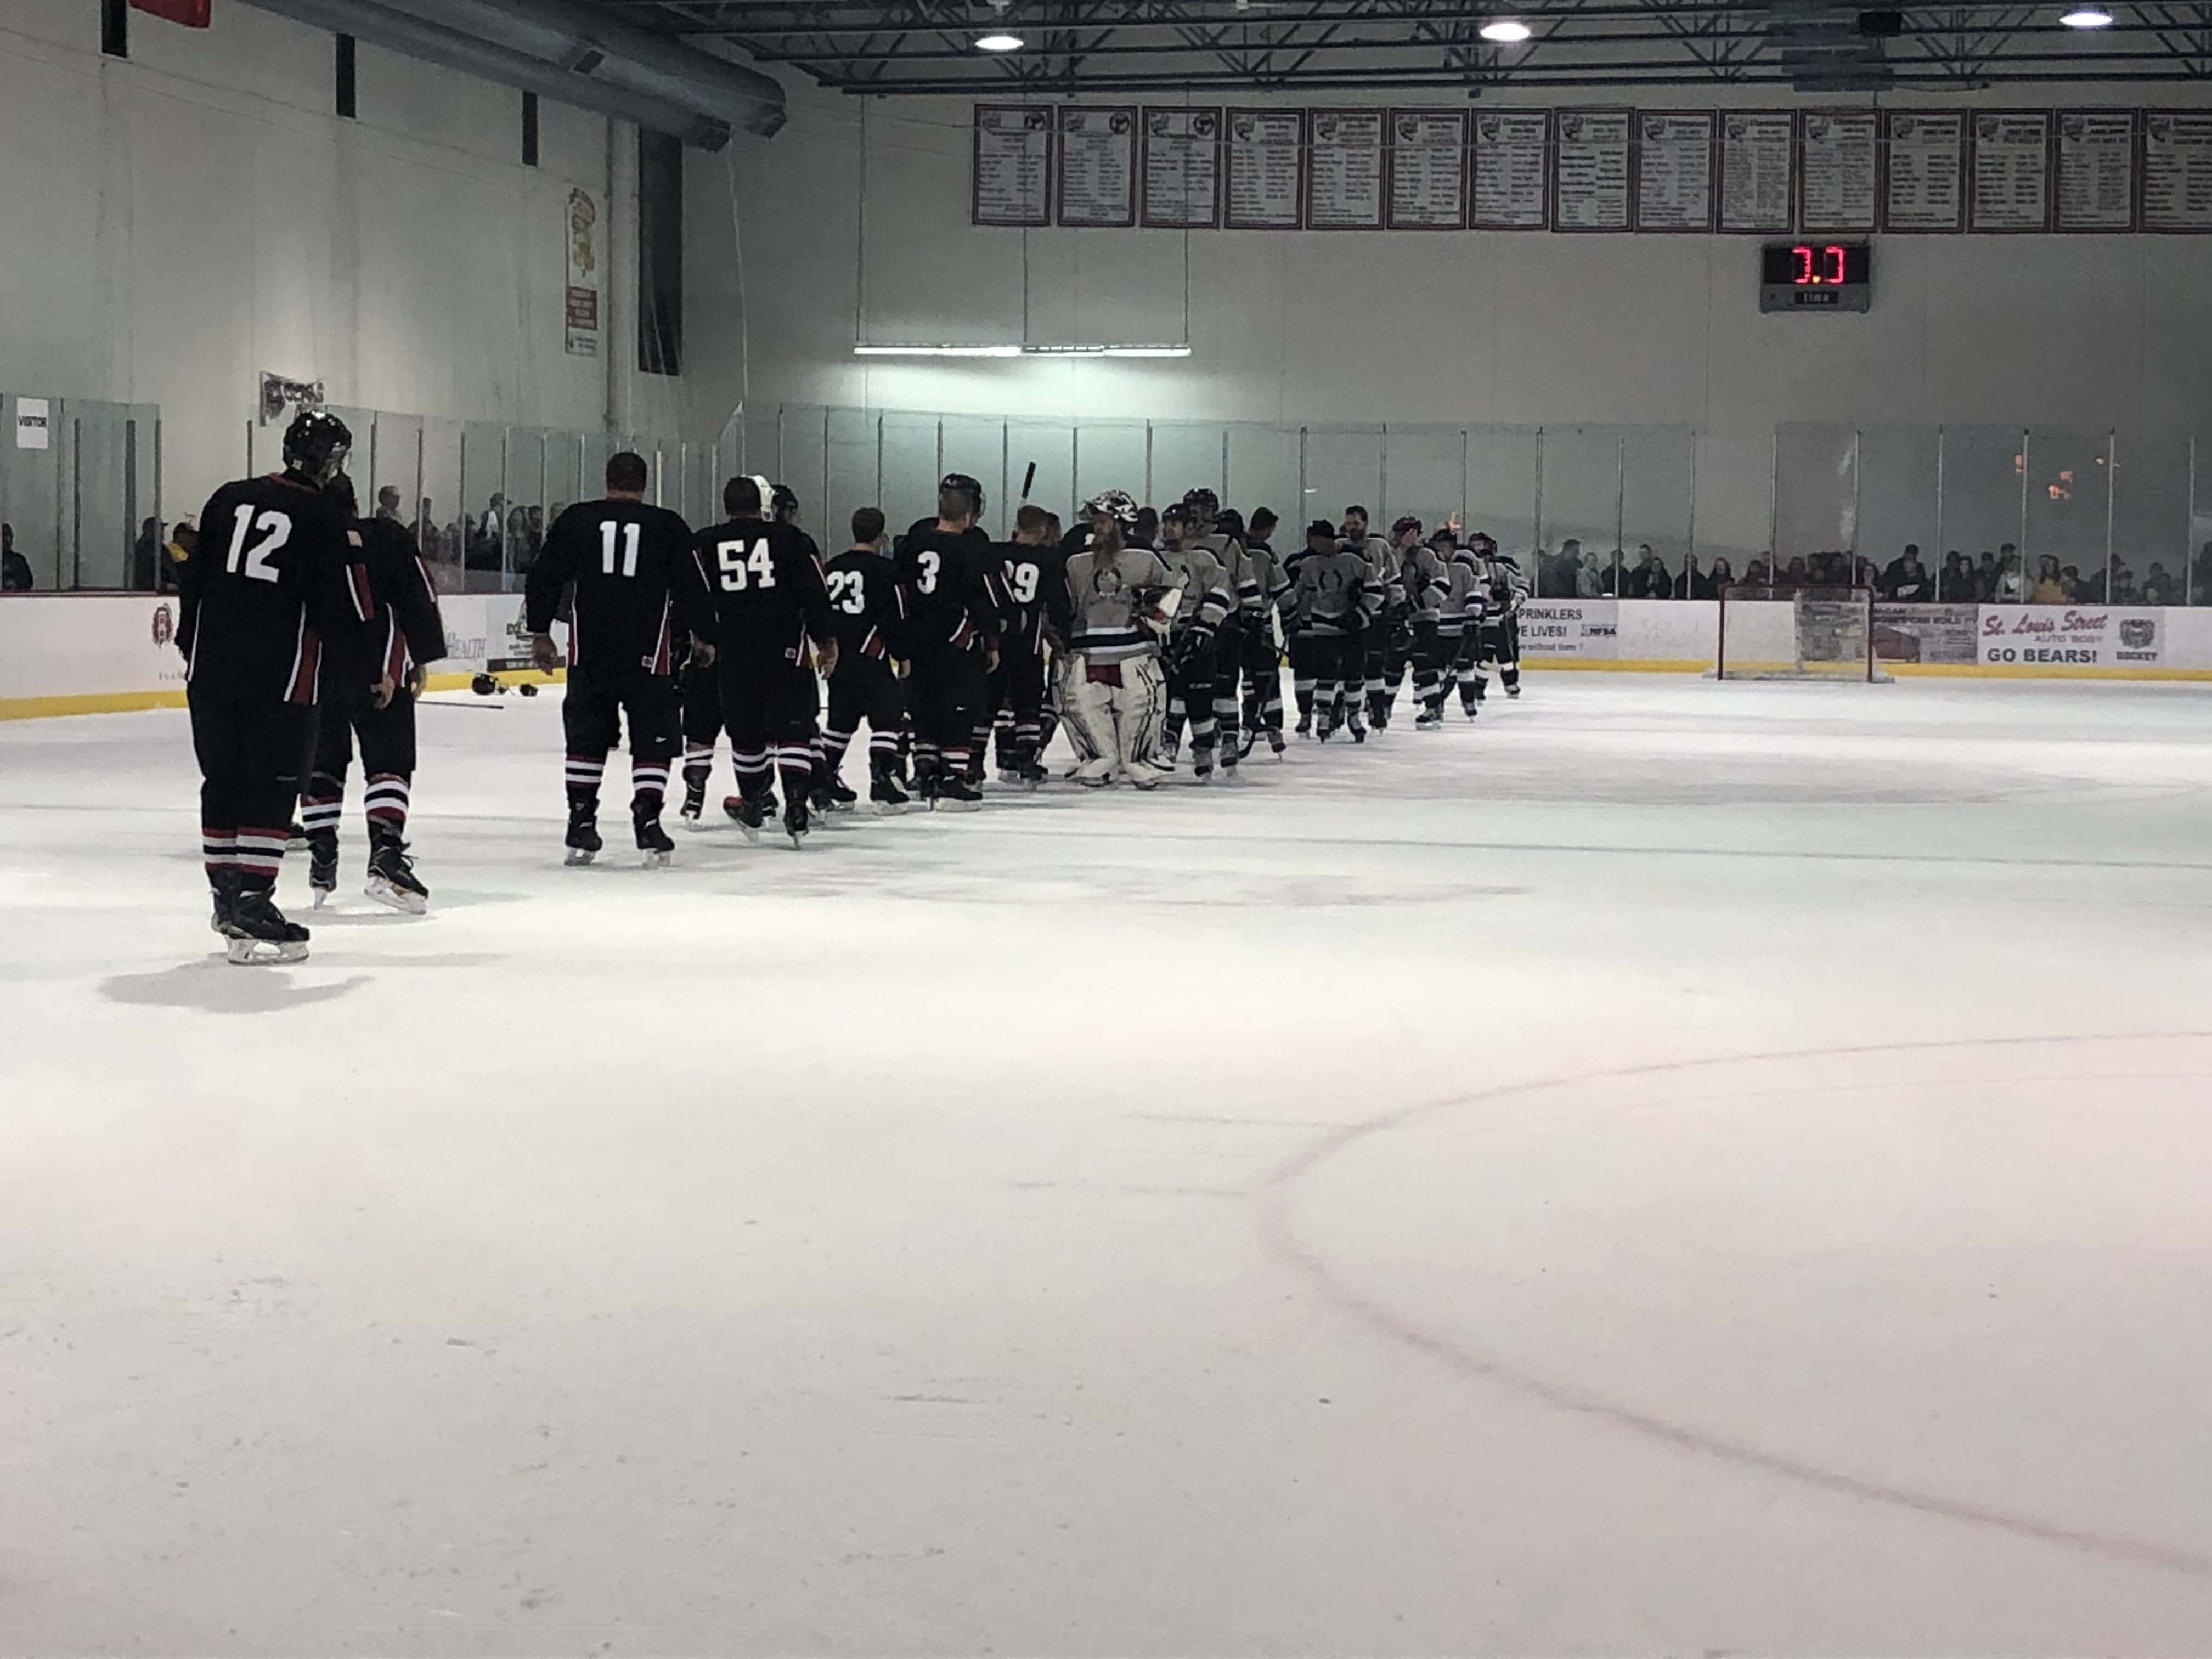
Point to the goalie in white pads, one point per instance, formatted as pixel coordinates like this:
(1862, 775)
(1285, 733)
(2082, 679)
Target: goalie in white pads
(1113, 694)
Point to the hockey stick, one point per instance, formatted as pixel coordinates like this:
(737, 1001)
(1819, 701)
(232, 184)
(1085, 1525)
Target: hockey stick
(1029, 478)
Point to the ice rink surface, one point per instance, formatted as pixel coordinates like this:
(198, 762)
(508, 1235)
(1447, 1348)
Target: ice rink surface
(1675, 1168)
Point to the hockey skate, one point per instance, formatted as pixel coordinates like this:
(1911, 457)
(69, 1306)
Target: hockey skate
(1094, 773)
(841, 799)
(1428, 719)
(692, 814)
(1471, 710)
(1028, 774)
(583, 842)
(654, 849)
(885, 795)
(222, 897)
(1148, 774)
(748, 815)
(956, 793)
(260, 935)
(392, 881)
(797, 824)
(322, 864)
(1512, 694)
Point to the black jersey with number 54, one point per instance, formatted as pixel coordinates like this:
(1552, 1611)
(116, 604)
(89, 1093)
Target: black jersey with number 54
(760, 583)
(270, 588)
(627, 559)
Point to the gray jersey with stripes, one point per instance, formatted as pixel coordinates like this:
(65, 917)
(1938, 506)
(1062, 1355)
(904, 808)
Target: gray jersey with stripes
(1331, 587)
(1110, 599)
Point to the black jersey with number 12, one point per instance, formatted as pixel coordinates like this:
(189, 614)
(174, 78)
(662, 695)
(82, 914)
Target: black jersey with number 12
(272, 587)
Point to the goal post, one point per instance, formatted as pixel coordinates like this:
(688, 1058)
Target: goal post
(1796, 634)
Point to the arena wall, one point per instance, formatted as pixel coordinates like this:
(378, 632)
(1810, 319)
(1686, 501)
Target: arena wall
(84, 653)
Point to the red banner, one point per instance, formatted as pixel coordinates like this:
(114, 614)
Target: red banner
(192, 13)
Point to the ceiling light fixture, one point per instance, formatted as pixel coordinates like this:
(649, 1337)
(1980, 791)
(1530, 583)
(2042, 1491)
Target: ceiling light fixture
(1067, 350)
(1505, 31)
(2087, 17)
(1000, 42)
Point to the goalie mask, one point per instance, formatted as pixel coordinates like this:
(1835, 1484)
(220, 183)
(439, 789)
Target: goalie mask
(1116, 504)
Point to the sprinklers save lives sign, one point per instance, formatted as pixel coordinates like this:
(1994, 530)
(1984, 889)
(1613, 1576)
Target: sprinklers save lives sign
(31, 423)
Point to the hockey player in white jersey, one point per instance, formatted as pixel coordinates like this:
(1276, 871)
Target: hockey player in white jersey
(1336, 602)
(1448, 601)
(1112, 613)
(1498, 640)
(1192, 646)
(1370, 696)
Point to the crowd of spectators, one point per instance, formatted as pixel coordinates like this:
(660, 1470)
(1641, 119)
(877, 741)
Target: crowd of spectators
(1998, 576)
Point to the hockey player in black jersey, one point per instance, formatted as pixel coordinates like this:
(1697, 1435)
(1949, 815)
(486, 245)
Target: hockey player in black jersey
(955, 594)
(374, 700)
(270, 588)
(863, 615)
(626, 558)
(1030, 565)
(760, 584)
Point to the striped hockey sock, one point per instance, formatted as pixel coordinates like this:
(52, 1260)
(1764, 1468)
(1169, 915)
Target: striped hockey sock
(583, 774)
(386, 804)
(648, 783)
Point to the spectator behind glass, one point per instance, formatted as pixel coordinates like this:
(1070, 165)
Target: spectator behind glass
(1956, 585)
(2124, 590)
(1649, 578)
(1723, 576)
(1985, 577)
(1694, 583)
(1907, 580)
(184, 542)
(146, 557)
(2050, 586)
(2011, 581)
(14, 568)
(387, 502)
(2159, 588)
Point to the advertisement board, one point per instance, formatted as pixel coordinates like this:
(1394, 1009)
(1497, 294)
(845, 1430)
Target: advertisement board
(1571, 628)
(1926, 633)
(2070, 637)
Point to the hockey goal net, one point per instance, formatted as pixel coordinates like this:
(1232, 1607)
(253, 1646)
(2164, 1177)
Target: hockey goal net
(1796, 634)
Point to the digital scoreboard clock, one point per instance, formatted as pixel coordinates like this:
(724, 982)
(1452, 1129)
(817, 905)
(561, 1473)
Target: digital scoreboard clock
(1816, 276)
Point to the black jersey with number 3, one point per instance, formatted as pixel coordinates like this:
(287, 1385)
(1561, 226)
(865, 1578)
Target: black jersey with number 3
(627, 559)
(955, 588)
(270, 588)
(760, 582)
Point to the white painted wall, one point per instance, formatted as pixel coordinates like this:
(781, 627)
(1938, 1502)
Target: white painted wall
(1311, 329)
(180, 221)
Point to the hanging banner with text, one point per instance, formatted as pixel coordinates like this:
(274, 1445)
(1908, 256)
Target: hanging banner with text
(582, 306)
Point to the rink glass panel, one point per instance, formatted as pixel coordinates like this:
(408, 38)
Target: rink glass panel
(1344, 468)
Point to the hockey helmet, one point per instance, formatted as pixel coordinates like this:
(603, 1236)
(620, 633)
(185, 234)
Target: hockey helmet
(1409, 522)
(1118, 505)
(783, 504)
(316, 445)
(1231, 523)
(961, 483)
(1201, 504)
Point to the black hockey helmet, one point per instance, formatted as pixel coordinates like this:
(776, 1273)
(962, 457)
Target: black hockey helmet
(961, 483)
(783, 504)
(1231, 523)
(316, 445)
(1202, 503)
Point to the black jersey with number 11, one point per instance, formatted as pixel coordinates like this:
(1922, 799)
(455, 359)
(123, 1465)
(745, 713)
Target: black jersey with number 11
(626, 559)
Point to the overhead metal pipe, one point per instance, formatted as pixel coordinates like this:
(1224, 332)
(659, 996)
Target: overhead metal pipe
(611, 70)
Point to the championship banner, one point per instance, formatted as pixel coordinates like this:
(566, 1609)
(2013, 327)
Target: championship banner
(2070, 637)
(1925, 633)
(1571, 628)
